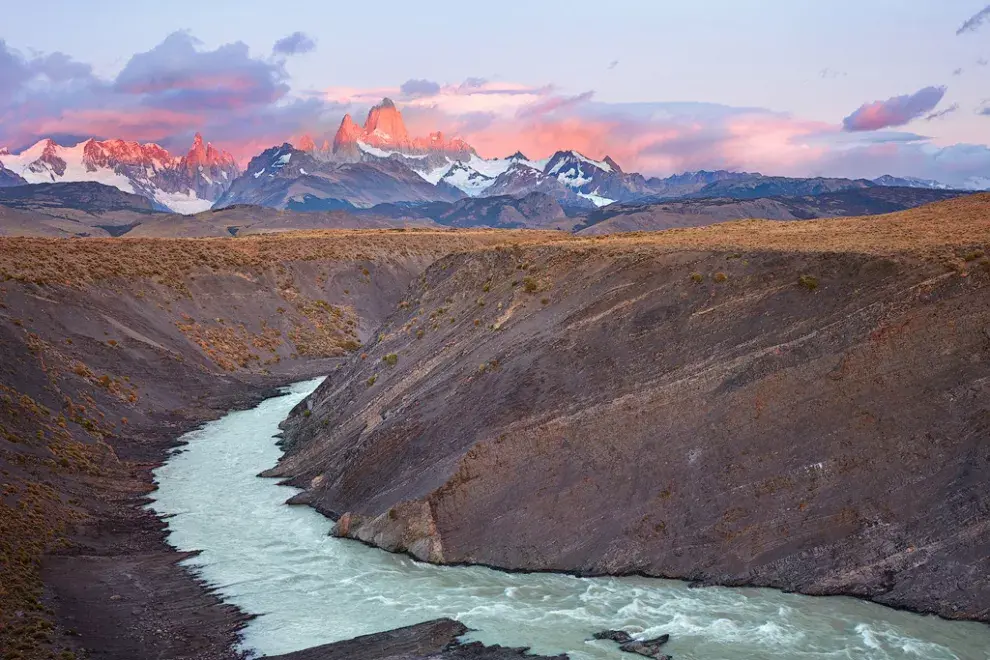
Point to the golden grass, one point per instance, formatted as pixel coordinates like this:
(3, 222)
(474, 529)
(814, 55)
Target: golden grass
(79, 261)
(937, 230)
(931, 230)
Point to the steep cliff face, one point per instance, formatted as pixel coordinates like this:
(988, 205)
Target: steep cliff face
(809, 417)
(384, 129)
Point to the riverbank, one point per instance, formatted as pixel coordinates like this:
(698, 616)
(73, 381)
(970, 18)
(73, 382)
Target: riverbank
(799, 406)
(118, 590)
(109, 351)
(313, 589)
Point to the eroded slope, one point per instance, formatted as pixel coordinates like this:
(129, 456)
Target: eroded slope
(798, 405)
(109, 350)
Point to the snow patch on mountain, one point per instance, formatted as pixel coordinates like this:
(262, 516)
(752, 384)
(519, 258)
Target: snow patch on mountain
(382, 153)
(467, 179)
(596, 199)
(185, 203)
(910, 182)
(434, 175)
(42, 162)
(492, 167)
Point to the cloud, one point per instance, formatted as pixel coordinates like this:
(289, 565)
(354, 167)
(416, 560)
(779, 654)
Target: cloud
(296, 43)
(974, 22)
(982, 61)
(177, 74)
(942, 113)
(957, 72)
(827, 73)
(895, 111)
(246, 104)
(612, 64)
(984, 109)
(419, 88)
(51, 70)
(163, 95)
(553, 104)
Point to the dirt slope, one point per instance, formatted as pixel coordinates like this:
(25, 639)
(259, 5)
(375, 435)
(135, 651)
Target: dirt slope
(798, 405)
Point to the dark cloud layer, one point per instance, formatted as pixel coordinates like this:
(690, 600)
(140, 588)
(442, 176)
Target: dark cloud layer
(554, 104)
(973, 23)
(419, 88)
(942, 113)
(895, 111)
(177, 75)
(165, 95)
(296, 43)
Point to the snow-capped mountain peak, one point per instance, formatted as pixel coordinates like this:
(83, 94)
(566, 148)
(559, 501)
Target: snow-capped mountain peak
(385, 130)
(910, 182)
(187, 185)
(467, 179)
(565, 159)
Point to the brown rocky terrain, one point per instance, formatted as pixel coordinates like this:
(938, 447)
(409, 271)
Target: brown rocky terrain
(799, 405)
(796, 405)
(433, 640)
(697, 212)
(109, 350)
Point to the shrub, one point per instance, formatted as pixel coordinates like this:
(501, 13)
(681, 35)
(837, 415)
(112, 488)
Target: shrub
(530, 285)
(808, 282)
(419, 334)
(974, 255)
(307, 412)
(544, 301)
(487, 287)
(391, 359)
(697, 277)
(720, 277)
(371, 381)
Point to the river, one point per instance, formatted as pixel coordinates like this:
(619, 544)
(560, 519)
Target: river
(278, 561)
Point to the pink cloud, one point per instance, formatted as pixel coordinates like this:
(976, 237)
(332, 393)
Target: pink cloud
(895, 111)
(143, 125)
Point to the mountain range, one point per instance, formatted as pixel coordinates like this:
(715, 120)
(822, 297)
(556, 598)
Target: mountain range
(185, 184)
(380, 162)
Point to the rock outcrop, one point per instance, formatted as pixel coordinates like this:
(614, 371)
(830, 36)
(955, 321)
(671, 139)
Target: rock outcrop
(432, 640)
(384, 129)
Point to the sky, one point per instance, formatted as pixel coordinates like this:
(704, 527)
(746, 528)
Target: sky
(840, 88)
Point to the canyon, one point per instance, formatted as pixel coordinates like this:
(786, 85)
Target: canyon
(797, 405)
(715, 405)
